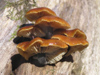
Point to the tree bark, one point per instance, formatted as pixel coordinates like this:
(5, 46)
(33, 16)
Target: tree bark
(82, 14)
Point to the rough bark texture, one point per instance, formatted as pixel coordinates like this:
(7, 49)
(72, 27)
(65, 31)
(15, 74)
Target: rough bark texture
(82, 14)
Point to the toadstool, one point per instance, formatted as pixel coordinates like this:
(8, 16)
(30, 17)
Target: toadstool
(48, 40)
(75, 44)
(53, 49)
(71, 33)
(36, 13)
(50, 23)
(30, 32)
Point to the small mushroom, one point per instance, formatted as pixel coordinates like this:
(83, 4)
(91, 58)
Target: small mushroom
(71, 33)
(29, 48)
(75, 44)
(54, 50)
(49, 23)
(30, 32)
(25, 31)
(36, 13)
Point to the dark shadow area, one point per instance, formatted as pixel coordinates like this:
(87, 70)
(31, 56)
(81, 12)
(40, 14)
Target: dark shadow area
(68, 59)
(16, 61)
(18, 40)
(24, 25)
(37, 60)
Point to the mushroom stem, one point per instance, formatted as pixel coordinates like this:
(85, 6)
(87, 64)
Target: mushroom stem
(49, 32)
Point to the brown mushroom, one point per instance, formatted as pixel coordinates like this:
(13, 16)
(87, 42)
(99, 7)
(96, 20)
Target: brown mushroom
(53, 49)
(36, 13)
(62, 43)
(29, 48)
(71, 33)
(49, 23)
(30, 32)
(75, 44)
(25, 31)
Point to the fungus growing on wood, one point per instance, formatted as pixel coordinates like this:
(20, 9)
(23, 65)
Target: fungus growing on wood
(53, 49)
(48, 40)
(75, 44)
(18, 40)
(50, 23)
(43, 27)
(25, 31)
(71, 33)
(30, 32)
(36, 13)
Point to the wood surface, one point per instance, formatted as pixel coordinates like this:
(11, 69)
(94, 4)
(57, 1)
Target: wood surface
(82, 14)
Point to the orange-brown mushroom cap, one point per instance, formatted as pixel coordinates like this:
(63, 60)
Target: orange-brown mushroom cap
(30, 32)
(54, 49)
(29, 48)
(71, 33)
(36, 13)
(52, 21)
(25, 31)
(75, 44)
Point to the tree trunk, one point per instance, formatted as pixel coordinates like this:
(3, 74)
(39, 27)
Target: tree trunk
(82, 14)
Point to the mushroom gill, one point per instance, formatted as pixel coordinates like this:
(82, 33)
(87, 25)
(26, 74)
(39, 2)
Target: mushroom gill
(30, 32)
(50, 23)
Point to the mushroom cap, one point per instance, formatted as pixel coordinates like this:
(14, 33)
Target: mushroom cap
(75, 44)
(25, 31)
(30, 32)
(52, 21)
(29, 48)
(71, 33)
(36, 13)
(54, 49)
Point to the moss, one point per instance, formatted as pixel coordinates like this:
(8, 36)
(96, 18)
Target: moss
(17, 10)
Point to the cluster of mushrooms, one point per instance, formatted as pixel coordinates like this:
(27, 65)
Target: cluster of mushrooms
(49, 37)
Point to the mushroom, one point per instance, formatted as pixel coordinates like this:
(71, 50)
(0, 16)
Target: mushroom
(50, 23)
(75, 44)
(25, 31)
(71, 33)
(30, 32)
(53, 49)
(40, 29)
(29, 48)
(36, 13)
